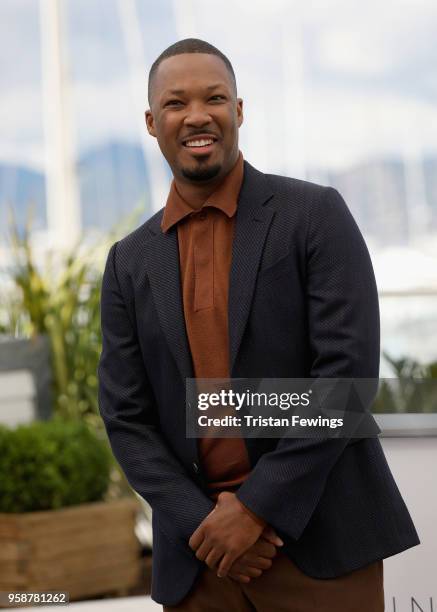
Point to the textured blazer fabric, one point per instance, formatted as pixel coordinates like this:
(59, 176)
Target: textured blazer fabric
(302, 303)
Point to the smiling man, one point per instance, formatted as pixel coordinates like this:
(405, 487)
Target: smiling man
(243, 274)
(201, 154)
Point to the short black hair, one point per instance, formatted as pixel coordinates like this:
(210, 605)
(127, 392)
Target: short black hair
(189, 45)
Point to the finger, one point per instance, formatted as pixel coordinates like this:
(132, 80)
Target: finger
(271, 536)
(245, 561)
(225, 565)
(260, 562)
(239, 577)
(196, 539)
(262, 548)
(203, 551)
(264, 563)
(246, 570)
(213, 557)
(251, 560)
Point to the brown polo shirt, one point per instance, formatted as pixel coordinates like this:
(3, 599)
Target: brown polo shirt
(205, 238)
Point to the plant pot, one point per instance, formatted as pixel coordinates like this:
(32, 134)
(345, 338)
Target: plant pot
(25, 400)
(87, 550)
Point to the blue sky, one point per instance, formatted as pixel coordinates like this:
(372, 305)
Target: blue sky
(325, 83)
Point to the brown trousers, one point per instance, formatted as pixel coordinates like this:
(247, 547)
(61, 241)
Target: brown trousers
(285, 588)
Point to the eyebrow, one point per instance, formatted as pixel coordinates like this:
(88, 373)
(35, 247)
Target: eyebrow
(178, 92)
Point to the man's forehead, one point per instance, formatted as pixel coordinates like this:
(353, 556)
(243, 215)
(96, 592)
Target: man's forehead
(194, 66)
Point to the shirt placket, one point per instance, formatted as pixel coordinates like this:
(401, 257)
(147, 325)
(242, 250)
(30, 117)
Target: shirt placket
(203, 247)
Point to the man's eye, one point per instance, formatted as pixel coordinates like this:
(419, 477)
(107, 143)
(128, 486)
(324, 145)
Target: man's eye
(217, 97)
(173, 103)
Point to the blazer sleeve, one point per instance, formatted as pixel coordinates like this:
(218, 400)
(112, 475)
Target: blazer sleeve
(287, 483)
(128, 409)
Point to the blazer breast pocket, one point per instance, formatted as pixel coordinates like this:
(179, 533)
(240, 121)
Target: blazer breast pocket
(280, 268)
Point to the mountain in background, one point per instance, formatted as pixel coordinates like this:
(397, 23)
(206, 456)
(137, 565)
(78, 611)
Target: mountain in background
(113, 181)
(378, 197)
(392, 202)
(19, 189)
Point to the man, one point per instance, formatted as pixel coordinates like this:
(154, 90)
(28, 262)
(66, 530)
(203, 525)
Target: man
(243, 274)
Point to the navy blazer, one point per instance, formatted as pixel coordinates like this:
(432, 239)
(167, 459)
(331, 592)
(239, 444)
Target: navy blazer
(302, 303)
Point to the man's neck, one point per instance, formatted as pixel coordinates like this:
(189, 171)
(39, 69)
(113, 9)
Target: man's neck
(196, 195)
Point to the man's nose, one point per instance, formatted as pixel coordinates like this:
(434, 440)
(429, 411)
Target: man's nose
(197, 115)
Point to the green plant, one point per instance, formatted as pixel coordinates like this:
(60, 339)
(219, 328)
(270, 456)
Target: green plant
(62, 299)
(47, 465)
(412, 390)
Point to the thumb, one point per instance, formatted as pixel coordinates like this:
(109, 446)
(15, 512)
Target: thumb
(271, 536)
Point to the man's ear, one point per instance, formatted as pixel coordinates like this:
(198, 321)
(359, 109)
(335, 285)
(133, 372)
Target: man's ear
(150, 124)
(240, 111)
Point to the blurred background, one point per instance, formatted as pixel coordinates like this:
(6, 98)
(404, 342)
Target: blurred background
(335, 92)
(340, 93)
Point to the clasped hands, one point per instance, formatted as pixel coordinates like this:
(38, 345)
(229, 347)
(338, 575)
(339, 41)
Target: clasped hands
(233, 542)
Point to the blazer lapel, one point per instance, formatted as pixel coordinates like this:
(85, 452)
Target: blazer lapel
(251, 227)
(162, 264)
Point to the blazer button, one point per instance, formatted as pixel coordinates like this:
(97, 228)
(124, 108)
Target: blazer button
(196, 467)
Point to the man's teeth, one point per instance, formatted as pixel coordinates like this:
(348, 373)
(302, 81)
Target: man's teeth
(198, 143)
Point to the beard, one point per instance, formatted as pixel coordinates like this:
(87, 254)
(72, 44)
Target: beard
(204, 173)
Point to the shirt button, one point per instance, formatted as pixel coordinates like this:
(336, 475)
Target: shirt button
(202, 215)
(196, 467)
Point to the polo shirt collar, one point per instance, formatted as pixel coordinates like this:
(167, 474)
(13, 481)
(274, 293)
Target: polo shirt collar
(225, 198)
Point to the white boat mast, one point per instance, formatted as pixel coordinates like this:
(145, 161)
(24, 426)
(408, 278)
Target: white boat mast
(63, 202)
